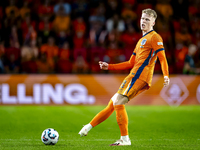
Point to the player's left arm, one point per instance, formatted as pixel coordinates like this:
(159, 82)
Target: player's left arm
(157, 44)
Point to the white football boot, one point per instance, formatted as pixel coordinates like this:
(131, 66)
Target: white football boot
(121, 142)
(84, 131)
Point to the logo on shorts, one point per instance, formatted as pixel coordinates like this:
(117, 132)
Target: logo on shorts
(175, 93)
(123, 84)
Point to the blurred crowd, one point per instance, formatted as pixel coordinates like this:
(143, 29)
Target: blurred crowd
(72, 36)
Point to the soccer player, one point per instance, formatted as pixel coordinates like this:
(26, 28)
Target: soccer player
(142, 62)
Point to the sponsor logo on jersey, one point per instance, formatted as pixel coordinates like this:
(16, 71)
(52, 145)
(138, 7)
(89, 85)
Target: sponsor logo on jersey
(160, 43)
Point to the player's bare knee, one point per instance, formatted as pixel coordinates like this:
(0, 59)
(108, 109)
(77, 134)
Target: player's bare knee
(120, 100)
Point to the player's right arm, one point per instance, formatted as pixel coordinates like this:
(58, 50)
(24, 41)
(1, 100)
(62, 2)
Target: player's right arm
(164, 66)
(119, 66)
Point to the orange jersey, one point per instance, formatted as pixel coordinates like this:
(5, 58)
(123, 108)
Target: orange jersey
(144, 58)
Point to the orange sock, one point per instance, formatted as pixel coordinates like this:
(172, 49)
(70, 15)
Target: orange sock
(103, 115)
(122, 119)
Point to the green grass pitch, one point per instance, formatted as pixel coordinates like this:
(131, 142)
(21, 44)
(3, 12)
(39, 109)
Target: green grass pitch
(150, 128)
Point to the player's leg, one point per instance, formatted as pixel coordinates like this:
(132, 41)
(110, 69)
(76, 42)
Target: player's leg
(103, 115)
(129, 90)
(100, 117)
(122, 119)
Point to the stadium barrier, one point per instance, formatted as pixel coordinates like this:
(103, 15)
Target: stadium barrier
(93, 90)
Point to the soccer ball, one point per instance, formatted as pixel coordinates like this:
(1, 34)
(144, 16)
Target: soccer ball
(49, 136)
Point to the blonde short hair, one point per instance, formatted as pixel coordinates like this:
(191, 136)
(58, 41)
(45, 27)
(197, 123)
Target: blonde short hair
(150, 12)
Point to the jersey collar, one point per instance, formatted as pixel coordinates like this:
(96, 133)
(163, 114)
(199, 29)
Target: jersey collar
(147, 33)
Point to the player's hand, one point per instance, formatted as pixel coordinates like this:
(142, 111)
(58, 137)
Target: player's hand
(166, 80)
(103, 65)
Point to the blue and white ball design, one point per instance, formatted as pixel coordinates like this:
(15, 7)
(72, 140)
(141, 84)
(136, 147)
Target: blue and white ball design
(49, 136)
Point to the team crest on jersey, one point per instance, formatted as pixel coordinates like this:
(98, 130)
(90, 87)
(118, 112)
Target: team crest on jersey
(143, 41)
